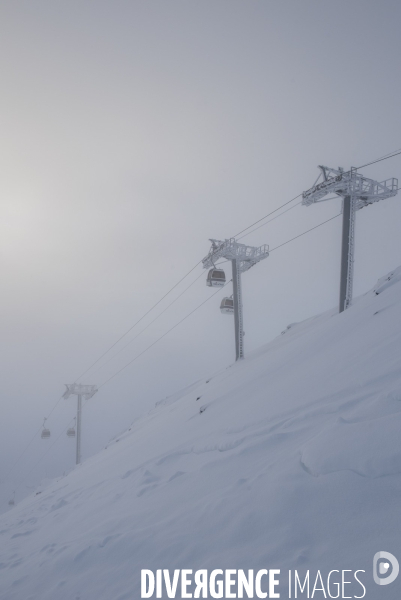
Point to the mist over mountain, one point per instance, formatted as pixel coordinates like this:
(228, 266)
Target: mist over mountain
(289, 459)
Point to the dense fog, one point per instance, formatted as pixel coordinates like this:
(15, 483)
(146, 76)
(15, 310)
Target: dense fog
(132, 132)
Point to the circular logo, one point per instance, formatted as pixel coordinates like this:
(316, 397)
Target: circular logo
(386, 564)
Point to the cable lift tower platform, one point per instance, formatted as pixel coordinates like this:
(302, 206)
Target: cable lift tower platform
(357, 192)
(242, 258)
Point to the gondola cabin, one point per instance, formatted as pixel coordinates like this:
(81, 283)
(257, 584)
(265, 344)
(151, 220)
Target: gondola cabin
(71, 432)
(45, 432)
(227, 306)
(216, 278)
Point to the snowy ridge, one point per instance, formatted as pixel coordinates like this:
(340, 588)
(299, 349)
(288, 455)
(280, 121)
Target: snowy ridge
(289, 459)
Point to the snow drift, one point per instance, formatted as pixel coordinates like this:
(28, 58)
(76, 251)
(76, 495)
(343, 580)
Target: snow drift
(290, 459)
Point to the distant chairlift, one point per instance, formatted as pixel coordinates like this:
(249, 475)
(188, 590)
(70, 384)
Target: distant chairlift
(45, 432)
(227, 306)
(12, 501)
(216, 278)
(71, 430)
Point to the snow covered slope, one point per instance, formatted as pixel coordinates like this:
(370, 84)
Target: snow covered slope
(290, 459)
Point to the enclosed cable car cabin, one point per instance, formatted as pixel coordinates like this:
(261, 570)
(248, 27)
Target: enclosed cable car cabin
(45, 432)
(227, 306)
(216, 278)
(71, 431)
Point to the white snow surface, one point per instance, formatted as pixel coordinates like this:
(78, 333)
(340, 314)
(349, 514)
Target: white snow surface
(290, 459)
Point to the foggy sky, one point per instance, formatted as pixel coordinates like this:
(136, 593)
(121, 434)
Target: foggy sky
(134, 131)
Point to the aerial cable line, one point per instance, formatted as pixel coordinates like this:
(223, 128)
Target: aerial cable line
(283, 213)
(396, 153)
(269, 221)
(389, 153)
(268, 215)
(149, 324)
(162, 336)
(137, 322)
(373, 162)
(305, 232)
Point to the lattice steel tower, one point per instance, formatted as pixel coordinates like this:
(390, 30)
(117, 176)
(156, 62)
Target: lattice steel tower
(242, 258)
(357, 192)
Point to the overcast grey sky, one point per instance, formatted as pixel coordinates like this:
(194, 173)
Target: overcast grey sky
(131, 132)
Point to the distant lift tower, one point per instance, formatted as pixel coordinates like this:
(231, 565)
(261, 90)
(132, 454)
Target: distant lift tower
(357, 192)
(242, 258)
(82, 391)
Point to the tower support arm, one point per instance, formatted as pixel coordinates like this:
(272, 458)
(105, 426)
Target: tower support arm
(350, 183)
(247, 256)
